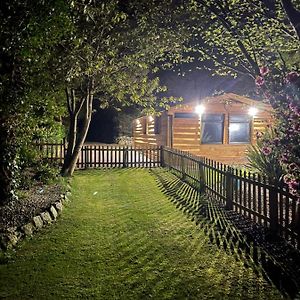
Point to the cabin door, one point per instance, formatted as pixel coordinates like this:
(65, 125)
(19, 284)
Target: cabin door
(170, 132)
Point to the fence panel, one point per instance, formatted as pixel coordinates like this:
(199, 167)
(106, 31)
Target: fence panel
(251, 195)
(96, 156)
(53, 153)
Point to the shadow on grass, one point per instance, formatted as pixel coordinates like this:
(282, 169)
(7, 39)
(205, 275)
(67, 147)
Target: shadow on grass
(248, 242)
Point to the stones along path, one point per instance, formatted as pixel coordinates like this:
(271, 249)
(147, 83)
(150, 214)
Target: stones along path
(121, 237)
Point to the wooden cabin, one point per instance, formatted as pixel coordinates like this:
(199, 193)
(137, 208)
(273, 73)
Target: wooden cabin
(219, 127)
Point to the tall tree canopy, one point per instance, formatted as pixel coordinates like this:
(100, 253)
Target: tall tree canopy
(241, 36)
(116, 51)
(31, 33)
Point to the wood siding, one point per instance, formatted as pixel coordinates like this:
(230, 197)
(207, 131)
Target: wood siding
(150, 138)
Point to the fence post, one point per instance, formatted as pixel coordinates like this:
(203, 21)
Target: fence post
(125, 157)
(86, 157)
(229, 189)
(162, 158)
(183, 167)
(202, 183)
(273, 209)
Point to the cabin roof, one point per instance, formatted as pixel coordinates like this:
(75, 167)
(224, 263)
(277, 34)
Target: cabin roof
(226, 99)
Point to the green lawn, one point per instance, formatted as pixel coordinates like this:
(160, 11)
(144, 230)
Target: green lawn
(121, 238)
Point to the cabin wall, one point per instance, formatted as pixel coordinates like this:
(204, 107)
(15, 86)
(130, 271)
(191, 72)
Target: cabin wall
(146, 137)
(186, 132)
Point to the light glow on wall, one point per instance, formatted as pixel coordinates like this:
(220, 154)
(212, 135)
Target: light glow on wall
(151, 119)
(252, 111)
(200, 109)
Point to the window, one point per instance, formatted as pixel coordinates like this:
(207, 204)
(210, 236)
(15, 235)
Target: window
(239, 129)
(157, 125)
(185, 115)
(212, 127)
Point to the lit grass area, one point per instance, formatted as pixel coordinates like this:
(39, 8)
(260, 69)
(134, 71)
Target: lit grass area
(122, 238)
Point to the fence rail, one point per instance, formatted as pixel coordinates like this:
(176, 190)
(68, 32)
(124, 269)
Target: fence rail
(248, 194)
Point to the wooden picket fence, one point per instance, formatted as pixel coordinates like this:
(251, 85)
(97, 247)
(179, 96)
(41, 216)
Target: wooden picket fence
(99, 156)
(53, 153)
(96, 156)
(249, 194)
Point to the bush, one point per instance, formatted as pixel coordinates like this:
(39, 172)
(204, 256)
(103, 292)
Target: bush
(263, 160)
(124, 140)
(46, 173)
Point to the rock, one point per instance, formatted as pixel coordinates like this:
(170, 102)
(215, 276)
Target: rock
(28, 229)
(46, 217)
(65, 200)
(53, 212)
(59, 207)
(9, 239)
(38, 222)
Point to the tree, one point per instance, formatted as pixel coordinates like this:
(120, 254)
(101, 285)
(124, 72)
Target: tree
(293, 15)
(30, 32)
(240, 36)
(116, 49)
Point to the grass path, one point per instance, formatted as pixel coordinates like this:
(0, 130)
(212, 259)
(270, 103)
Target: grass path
(122, 238)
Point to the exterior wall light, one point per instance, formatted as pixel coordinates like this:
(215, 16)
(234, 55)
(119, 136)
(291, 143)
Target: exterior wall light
(200, 109)
(138, 122)
(252, 111)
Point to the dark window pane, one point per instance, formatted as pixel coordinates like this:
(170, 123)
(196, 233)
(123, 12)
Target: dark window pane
(186, 115)
(212, 129)
(212, 118)
(212, 133)
(239, 132)
(239, 118)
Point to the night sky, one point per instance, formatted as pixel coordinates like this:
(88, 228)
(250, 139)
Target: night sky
(107, 124)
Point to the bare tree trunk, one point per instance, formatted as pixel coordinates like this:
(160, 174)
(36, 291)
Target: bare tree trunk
(71, 139)
(77, 138)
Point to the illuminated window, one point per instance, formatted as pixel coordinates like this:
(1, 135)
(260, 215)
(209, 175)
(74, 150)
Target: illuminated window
(239, 129)
(212, 126)
(157, 125)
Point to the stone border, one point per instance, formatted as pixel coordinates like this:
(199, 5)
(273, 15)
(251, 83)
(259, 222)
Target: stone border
(13, 235)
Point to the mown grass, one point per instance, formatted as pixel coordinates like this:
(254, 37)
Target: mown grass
(122, 238)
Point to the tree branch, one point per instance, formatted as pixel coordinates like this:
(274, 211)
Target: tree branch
(230, 28)
(293, 15)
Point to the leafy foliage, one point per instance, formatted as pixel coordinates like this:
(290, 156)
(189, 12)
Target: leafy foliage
(239, 36)
(284, 144)
(263, 160)
(31, 33)
(116, 51)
